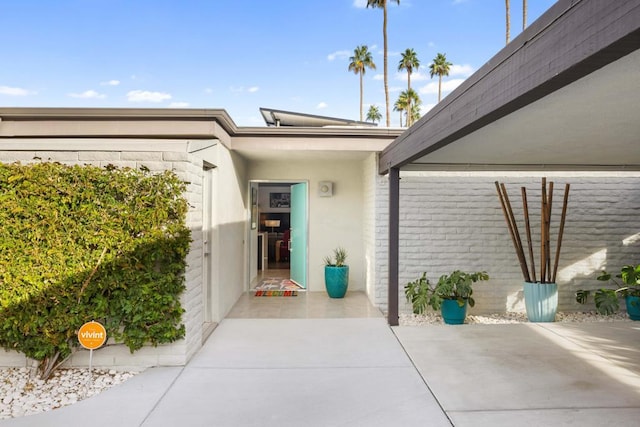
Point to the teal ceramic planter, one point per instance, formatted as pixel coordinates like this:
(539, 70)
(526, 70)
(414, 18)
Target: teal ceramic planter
(336, 280)
(452, 313)
(633, 307)
(541, 301)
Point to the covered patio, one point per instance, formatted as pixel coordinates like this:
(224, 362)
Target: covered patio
(563, 96)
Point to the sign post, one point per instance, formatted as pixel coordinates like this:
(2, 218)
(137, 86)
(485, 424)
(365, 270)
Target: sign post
(92, 335)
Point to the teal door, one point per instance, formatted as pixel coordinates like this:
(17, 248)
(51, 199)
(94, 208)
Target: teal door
(298, 241)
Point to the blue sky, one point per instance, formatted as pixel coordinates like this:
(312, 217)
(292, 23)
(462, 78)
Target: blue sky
(239, 55)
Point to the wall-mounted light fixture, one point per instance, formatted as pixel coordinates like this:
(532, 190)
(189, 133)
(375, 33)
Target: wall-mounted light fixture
(325, 188)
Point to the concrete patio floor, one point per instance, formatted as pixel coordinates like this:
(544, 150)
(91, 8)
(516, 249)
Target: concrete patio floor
(315, 369)
(544, 374)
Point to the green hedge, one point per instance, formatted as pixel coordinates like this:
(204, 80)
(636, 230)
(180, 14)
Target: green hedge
(81, 243)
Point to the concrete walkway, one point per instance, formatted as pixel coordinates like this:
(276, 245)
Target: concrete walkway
(355, 372)
(270, 372)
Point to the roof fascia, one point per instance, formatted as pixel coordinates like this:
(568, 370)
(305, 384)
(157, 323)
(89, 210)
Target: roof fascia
(220, 116)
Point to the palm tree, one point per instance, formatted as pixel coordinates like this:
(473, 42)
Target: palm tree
(409, 62)
(400, 105)
(440, 67)
(416, 102)
(408, 101)
(383, 5)
(508, 10)
(358, 63)
(373, 115)
(524, 14)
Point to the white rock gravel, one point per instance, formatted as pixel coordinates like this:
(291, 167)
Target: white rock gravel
(432, 318)
(22, 394)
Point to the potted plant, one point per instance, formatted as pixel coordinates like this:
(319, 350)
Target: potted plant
(541, 292)
(606, 299)
(450, 295)
(336, 273)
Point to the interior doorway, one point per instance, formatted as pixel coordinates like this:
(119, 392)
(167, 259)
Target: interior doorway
(278, 244)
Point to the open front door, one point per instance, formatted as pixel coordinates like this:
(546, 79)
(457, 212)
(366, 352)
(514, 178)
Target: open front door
(298, 240)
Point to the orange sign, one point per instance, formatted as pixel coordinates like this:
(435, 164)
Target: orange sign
(92, 335)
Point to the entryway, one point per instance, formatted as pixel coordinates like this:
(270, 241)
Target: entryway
(279, 230)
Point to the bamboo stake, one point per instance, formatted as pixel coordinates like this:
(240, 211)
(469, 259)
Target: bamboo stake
(513, 228)
(561, 231)
(528, 229)
(543, 228)
(548, 233)
(521, 256)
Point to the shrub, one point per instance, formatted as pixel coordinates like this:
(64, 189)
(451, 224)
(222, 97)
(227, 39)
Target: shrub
(81, 243)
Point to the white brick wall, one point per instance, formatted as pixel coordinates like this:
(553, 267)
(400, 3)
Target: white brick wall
(454, 221)
(188, 168)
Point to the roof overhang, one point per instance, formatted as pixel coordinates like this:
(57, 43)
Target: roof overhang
(289, 118)
(565, 94)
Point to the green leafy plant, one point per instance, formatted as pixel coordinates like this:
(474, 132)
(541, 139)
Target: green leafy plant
(455, 286)
(338, 259)
(606, 299)
(81, 243)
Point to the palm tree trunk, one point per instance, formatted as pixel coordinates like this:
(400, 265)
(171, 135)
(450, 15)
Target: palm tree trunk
(361, 91)
(439, 87)
(409, 119)
(508, 20)
(524, 14)
(386, 74)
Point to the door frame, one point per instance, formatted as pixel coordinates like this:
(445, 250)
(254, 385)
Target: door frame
(252, 246)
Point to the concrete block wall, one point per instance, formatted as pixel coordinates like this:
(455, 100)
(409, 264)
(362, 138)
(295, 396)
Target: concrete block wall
(454, 221)
(190, 169)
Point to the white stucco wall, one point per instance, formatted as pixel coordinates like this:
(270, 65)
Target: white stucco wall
(333, 221)
(454, 221)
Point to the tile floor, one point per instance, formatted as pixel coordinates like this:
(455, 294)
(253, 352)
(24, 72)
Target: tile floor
(307, 305)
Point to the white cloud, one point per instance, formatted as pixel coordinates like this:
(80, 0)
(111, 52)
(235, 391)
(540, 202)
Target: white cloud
(464, 70)
(321, 105)
(378, 76)
(110, 83)
(147, 96)
(416, 76)
(338, 54)
(239, 89)
(88, 94)
(14, 91)
(360, 4)
(178, 105)
(447, 86)
(208, 90)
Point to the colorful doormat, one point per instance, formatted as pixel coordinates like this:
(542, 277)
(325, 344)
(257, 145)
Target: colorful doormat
(276, 293)
(277, 287)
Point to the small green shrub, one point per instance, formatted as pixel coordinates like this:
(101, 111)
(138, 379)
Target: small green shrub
(81, 243)
(455, 286)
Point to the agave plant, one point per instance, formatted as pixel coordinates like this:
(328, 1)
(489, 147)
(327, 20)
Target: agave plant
(338, 259)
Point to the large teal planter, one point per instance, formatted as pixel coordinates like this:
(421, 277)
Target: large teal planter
(633, 307)
(452, 313)
(541, 301)
(336, 280)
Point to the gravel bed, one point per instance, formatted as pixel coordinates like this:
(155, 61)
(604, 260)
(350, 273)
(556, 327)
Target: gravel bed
(21, 394)
(432, 318)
